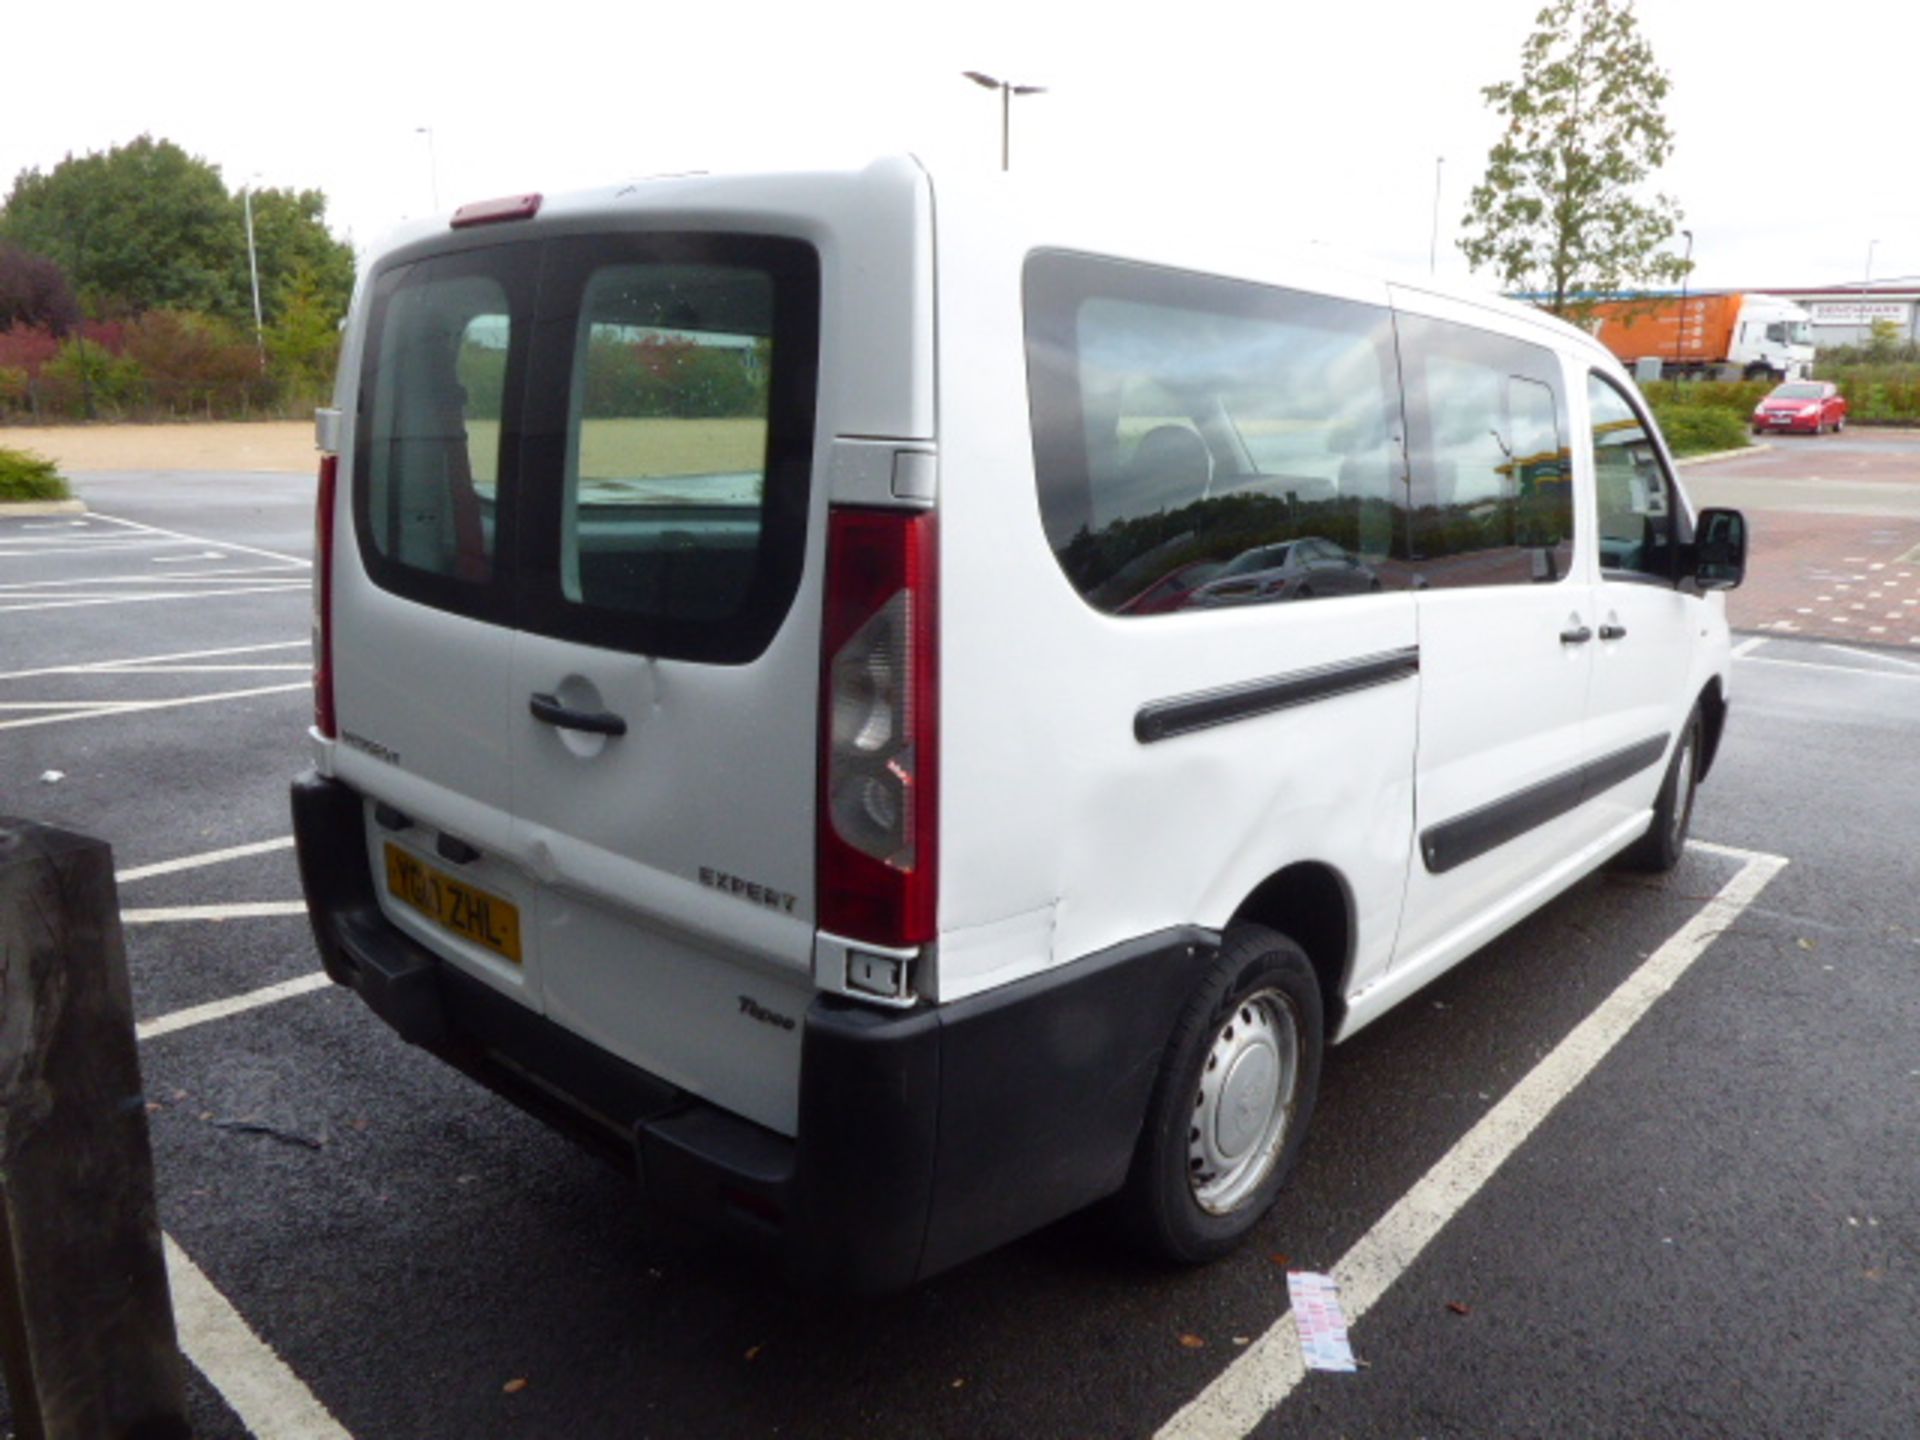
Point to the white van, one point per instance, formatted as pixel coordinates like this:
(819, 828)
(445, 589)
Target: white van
(907, 712)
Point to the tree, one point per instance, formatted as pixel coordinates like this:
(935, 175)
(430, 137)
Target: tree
(146, 226)
(34, 292)
(298, 255)
(1563, 211)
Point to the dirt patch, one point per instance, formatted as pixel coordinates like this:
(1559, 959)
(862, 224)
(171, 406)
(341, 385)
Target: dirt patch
(278, 445)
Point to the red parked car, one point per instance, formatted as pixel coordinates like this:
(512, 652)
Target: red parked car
(1810, 405)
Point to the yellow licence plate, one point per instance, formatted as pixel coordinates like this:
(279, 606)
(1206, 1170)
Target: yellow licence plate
(470, 913)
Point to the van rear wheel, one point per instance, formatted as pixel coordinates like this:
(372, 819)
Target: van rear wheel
(1231, 1105)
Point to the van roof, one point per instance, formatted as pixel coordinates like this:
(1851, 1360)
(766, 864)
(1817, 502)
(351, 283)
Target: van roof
(1160, 232)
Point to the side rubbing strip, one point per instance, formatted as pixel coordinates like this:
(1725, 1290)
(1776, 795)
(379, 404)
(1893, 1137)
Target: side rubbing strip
(1164, 719)
(1467, 837)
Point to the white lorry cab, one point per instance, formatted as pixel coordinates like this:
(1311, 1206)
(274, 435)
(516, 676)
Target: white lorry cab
(905, 710)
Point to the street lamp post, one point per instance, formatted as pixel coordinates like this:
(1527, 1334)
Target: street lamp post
(1433, 243)
(433, 165)
(1867, 279)
(1686, 273)
(1007, 91)
(253, 271)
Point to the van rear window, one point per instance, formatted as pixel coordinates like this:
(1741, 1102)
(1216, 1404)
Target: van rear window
(606, 439)
(676, 520)
(430, 501)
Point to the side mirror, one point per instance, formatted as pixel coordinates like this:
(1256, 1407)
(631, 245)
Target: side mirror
(1719, 549)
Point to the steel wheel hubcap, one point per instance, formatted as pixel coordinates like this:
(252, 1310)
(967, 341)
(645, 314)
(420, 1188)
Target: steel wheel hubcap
(1243, 1103)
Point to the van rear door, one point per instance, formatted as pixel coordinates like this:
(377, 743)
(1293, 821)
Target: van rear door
(422, 598)
(665, 682)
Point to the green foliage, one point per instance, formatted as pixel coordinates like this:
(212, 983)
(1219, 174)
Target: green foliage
(303, 343)
(25, 476)
(1737, 397)
(1878, 392)
(670, 378)
(140, 226)
(1562, 212)
(87, 378)
(1701, 429)
(298, 256)
(145, 226)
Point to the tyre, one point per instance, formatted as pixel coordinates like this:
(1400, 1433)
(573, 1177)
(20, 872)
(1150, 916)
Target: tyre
(1658, 851)
(1231, 1104)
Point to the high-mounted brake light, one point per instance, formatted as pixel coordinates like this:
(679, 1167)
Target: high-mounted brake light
(878, 815)
(492, 212)
(323, 716)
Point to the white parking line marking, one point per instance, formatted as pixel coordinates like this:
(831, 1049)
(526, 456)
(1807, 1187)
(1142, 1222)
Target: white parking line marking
(16, 549)
(1871, 655)
(1266, 1372)
(199, 669)
(234, 1005)
(14, 588)
(188, 559)
(268, 1397)
(300, 585)
(238, 910)
(89, 666)
(201, 539)
(102, 705)
(207, 857)
(129, 707)
(1834, 669)
(228, 574)
(1753, 643)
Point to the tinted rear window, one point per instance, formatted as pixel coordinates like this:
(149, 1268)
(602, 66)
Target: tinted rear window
(434, 457)
(604, 439)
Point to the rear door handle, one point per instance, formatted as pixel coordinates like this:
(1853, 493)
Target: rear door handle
(1613, 632)
(1579, 635)
(548, 708)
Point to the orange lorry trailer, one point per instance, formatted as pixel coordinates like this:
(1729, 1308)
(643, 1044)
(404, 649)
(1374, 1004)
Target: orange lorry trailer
(1734, 335)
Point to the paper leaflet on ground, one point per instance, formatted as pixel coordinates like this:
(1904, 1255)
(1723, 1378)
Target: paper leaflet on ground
(1323, 1328)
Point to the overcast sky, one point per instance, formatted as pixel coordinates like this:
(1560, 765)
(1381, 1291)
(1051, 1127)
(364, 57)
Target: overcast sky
(1321, 122)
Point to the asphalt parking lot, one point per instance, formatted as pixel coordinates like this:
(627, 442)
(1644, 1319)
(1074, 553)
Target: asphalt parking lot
(1645, 1166)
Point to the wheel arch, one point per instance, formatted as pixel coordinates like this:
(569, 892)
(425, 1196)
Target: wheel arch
(1311, 904)
(1713, 721)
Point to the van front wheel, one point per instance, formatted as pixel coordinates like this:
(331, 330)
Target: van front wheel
(1659, 850)
(1231, 1104)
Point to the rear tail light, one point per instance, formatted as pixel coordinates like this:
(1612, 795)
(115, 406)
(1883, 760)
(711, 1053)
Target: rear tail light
(878, 797)
(323, 716)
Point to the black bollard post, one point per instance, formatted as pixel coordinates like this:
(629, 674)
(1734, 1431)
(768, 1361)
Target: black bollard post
(86, 1323)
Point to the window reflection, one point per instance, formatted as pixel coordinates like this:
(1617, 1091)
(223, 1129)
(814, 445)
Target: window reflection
(1204, 443)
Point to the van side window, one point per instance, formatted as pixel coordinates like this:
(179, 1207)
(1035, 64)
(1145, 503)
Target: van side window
(438, 384)
(1202, 443)
(1632, 487)
(1492, 492)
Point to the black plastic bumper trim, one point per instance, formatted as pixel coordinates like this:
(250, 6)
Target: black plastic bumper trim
(925, 1137)
(1452, 843)
(1183, 714)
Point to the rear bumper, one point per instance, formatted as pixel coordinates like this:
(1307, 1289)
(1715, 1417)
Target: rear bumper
(925, 1137)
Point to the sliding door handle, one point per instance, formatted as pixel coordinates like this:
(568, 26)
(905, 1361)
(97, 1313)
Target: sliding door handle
(1579, 635)
(595, 722)
(1613, 632)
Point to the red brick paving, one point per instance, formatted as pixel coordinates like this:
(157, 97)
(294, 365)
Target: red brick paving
(1845, 577)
